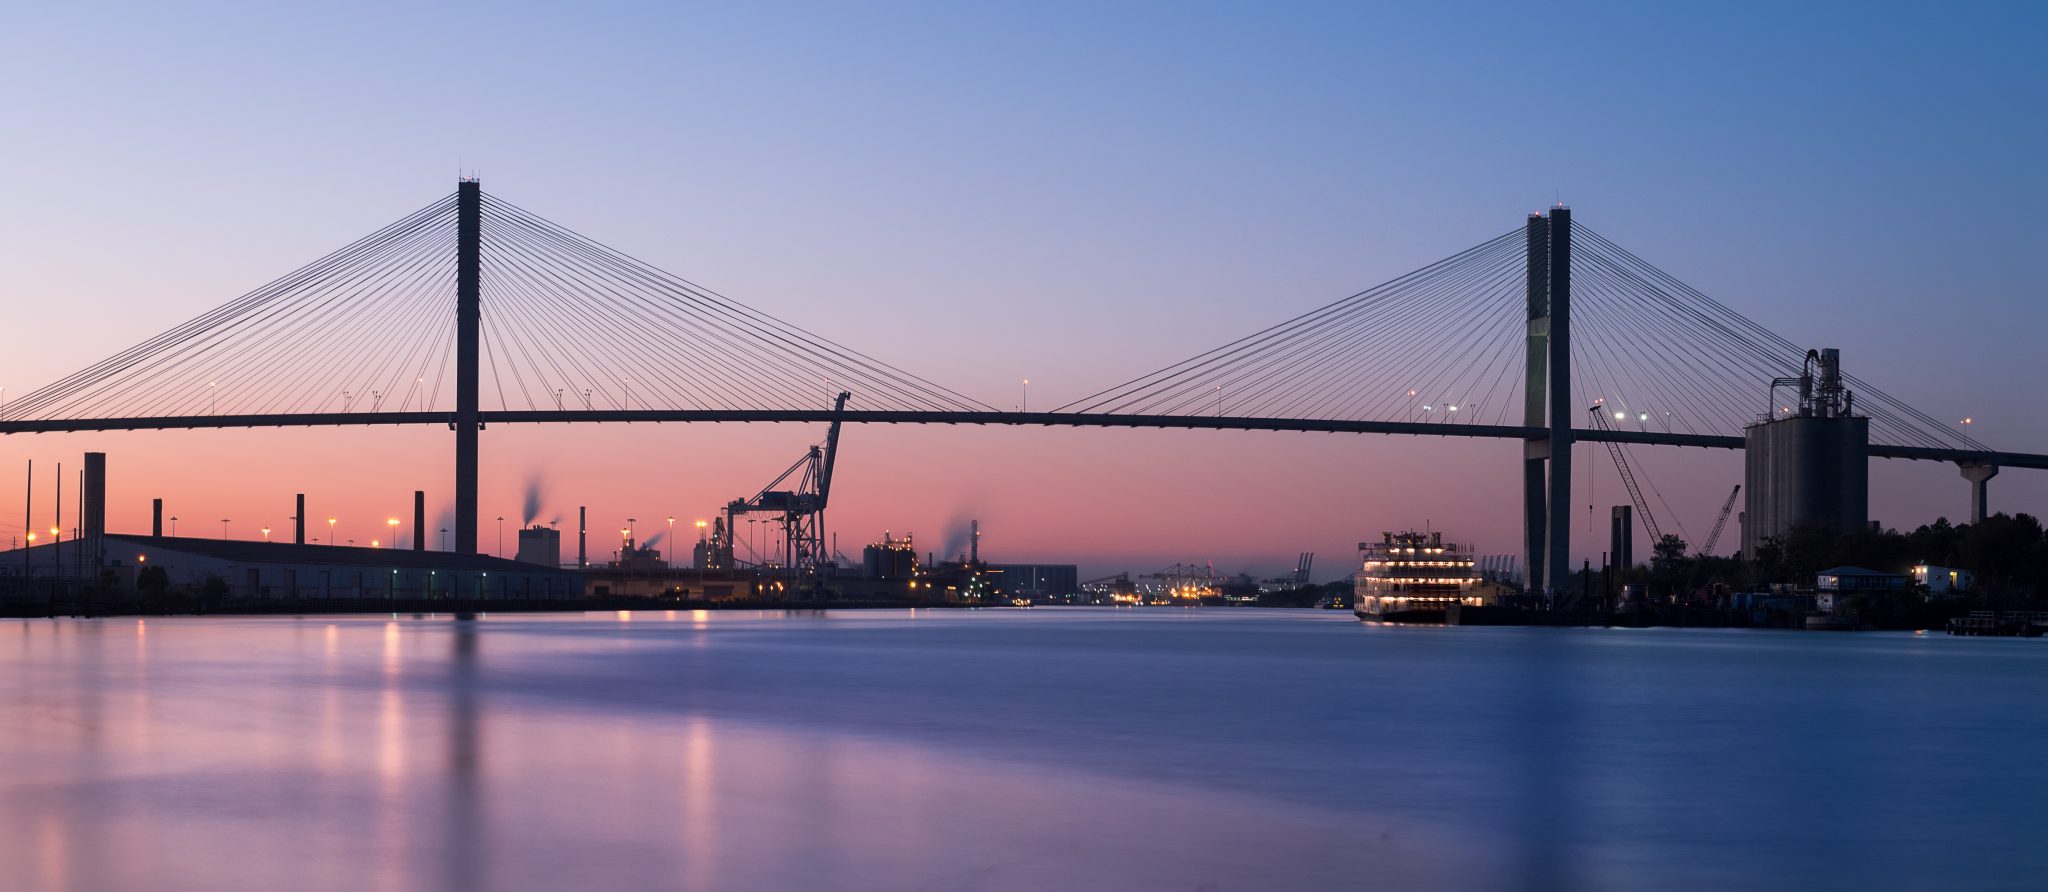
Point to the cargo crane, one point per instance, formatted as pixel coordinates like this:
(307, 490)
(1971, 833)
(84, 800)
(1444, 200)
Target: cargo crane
(1628, 477)
(1189, 582)
(1721, 522)
(1302, 567)
(802, 509)
(1120, 588)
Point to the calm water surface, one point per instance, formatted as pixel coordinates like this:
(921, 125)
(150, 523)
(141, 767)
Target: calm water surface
(1040, 749)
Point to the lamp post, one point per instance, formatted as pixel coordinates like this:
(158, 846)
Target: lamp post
(501, 535)
(223, 528)
(444, 538)
(174, 526)
(671, 539)
(266, 534)
(330, 531)
(393, 524)
(1025, 406)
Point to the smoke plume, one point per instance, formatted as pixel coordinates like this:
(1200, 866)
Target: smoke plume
(530, 507)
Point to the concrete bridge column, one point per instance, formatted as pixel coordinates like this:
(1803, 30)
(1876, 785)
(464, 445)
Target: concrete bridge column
(1558, 565)
(1535, 506)
(1979, 474)
(468, 325)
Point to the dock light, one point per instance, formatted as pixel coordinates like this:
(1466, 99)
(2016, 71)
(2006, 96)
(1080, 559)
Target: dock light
(373, 544)
(31, 537)
(1620, 415)
(1642, 416)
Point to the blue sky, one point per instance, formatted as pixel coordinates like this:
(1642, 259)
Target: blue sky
(1074, 193)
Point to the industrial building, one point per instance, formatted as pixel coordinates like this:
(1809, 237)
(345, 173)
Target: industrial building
(540, 545)
(1807, 464)
(1041, 582)
(289, 571)
(1832, 585)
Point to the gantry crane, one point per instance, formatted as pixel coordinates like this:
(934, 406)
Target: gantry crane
(802, 509)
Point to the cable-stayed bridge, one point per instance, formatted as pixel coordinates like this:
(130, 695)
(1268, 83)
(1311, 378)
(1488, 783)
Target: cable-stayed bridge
(472, 311)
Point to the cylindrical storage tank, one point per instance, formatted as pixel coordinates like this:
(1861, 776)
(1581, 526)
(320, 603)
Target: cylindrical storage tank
(1804, 472)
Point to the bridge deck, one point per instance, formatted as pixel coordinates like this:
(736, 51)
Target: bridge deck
(1044, 419)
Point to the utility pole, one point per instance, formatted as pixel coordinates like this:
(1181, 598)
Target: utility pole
(28, 518)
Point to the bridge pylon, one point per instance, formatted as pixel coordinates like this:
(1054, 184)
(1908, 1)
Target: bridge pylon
(1547, 403)
(1535, 510)
(468, 371)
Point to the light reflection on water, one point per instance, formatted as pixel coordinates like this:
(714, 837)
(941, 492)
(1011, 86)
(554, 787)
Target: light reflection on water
(1009, 750)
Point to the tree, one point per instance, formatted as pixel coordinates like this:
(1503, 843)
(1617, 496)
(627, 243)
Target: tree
(1667, 554)
(152, 581)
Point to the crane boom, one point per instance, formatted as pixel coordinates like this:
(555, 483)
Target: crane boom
(831, 451)
(1721, 522)
(1628, 477)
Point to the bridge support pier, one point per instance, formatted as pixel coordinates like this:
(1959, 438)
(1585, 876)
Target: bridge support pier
(1535, 511)
(1547, 404)
(468, 324)
(1979, 474)
(1559, 563)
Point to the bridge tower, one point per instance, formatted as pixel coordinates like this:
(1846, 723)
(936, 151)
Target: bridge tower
(1546, 510)
(1558, 566)
(468, 325)
(1535, 511)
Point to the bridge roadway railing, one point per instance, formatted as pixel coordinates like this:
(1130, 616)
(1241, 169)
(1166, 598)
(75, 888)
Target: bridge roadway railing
(1046, 419)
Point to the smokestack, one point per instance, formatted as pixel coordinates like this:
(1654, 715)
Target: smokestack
(974, 541)
(582, 538)
(92, 515)
(299, 522)
(156, 517)
(419, 520)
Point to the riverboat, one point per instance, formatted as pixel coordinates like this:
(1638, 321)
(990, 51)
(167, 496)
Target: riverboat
(1414, 578)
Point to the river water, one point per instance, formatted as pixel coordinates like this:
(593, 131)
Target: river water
(1021, 749)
